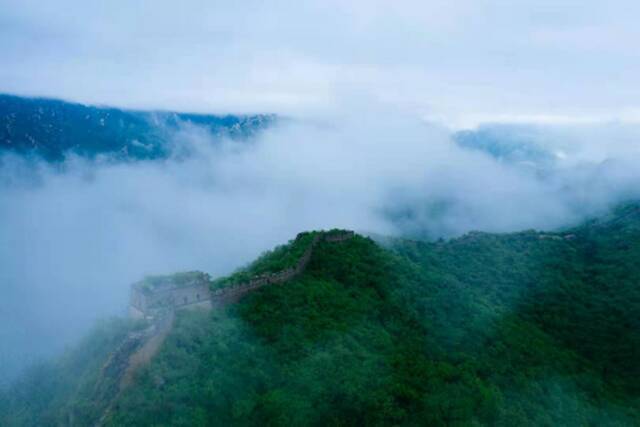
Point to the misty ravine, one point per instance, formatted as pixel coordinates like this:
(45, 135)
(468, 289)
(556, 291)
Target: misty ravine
(83, 221)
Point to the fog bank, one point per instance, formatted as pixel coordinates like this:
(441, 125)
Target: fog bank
(76, 235)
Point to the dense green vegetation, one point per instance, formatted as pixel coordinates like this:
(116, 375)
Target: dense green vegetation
(280, 258)
(512, 329)
(63, 392)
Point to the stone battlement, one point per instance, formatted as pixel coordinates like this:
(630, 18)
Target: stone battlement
(157, 299)
(187, 290)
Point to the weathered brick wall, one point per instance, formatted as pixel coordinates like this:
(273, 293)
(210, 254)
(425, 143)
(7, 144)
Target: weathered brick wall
(338, 237)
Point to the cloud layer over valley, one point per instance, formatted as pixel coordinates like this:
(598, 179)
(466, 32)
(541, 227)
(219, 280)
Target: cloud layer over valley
(76, 234)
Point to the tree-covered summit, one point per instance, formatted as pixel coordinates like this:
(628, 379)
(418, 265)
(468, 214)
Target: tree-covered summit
(528, 328)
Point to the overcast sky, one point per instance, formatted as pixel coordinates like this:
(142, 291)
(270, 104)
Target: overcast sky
(460, 62)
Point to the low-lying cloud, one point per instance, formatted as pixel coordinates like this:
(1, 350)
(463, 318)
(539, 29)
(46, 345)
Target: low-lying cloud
(74, 236)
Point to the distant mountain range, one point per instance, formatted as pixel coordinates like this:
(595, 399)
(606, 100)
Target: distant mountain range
(516, 144)
(52, 129)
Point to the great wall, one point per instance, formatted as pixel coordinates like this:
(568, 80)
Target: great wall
(157, 306)
(148, 302)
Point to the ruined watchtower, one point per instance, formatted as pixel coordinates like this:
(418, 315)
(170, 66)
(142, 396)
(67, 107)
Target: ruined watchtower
(155, 293)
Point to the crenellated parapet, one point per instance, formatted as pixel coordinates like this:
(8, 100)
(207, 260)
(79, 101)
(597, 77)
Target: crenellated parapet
(157, 298)
(154, 295)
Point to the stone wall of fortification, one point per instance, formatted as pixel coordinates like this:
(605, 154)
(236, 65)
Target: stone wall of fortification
(282, 276)
(199, 295)
(237, 290)
(338, 237)
(159, 306)
(171, 297)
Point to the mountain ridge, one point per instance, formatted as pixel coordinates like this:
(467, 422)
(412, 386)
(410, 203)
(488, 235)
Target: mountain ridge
(488, 329)
(52, 128)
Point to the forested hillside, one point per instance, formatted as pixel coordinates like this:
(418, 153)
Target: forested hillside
(52, 129)
(525, 328)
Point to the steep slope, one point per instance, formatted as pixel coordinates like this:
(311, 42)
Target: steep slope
(524, 328)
